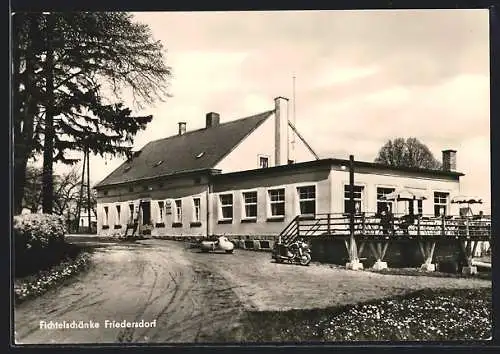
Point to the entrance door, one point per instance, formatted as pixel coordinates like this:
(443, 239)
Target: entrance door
(146, 213)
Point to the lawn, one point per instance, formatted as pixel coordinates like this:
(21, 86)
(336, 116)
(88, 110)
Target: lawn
(424, 315)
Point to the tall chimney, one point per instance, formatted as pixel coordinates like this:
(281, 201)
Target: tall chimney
(213, 119)
(281, 131)
(182, 128)
(450, 160)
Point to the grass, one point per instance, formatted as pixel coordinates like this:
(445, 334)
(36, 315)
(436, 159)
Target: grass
(418, 272)
(425, 315)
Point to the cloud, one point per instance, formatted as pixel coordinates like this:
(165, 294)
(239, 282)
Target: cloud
(362, 77)
(340, 75)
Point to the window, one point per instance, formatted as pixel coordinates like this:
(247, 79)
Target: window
(307, 200)
(263, 161)
(196, 205)
(382, 204)
(226, 204)
(277, 202)
(131, 212)
(161, 208)
(118, 214)
(440, 203)
(178, 211)
(106, 210)
(420, 207)
(250, 200)
(358, 199)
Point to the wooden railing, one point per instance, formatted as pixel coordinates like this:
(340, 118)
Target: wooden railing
(369, 225)
(290, 233)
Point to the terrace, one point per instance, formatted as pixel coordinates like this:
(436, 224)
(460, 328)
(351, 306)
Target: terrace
(376, 232)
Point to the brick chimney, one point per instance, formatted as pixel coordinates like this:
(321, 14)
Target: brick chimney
(450, 160)
(213, 119)
(281, 131)
(182, 128)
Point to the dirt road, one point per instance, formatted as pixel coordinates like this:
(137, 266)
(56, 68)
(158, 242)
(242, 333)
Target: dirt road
(195, 297)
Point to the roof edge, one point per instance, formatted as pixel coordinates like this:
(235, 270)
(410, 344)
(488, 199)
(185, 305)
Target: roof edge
(209, 171)
(336, 161)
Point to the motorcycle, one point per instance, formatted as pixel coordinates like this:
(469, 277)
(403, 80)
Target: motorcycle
(296, 253)
(222, 243)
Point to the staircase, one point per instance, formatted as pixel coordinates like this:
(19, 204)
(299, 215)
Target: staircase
(133, 229)
(290, 233)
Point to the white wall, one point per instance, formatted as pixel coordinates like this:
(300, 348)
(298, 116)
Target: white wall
(246, 155)
(299, 151)
(261, 142)
(372, 181)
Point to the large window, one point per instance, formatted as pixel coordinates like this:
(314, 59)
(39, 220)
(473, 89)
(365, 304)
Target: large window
(440, 203)
(161, 209)
(196, 206)
(106, 211)
(277, 202)
(250, 200)
(178, 211)
(383, 204)
(358, 199)
(131, 212)
(420, 207)
(118, 215)
(307, 200)
(226, 206)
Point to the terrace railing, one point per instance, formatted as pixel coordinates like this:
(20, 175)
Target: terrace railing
(370, 225)
(290, 233)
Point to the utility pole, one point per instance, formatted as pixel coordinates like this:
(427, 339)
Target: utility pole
(80, 199)
(354, 262)
(293, 122)
(88, 187)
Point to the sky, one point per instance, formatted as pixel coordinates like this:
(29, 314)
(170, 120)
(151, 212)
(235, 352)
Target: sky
(362, 77)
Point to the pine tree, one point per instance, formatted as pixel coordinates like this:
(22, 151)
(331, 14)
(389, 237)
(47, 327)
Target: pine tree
(66, 65)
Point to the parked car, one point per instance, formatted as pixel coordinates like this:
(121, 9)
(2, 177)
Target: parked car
(222, 244)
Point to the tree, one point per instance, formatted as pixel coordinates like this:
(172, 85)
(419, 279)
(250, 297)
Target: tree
(32, 195)
(63, 63)
(407, 153)
(66, 191)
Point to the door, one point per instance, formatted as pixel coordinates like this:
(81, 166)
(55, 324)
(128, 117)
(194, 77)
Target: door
(146, 213)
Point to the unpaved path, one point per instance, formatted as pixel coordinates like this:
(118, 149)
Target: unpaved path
(196, 297)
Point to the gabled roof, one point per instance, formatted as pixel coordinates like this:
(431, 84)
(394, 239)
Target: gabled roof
(195, 150)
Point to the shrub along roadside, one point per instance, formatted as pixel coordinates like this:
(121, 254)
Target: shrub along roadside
(42, 257)
(38, 243)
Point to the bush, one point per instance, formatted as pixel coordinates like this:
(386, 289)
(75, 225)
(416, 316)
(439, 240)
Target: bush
(38, 242)
(38, 230)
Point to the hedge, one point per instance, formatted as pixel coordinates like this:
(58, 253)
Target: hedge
(38, 242)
